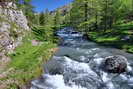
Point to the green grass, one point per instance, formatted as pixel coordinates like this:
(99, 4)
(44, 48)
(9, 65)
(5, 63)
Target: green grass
(26, 55)
(112, 37)
(27, 61)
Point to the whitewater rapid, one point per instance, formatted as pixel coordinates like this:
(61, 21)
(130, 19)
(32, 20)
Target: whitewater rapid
(77, 66)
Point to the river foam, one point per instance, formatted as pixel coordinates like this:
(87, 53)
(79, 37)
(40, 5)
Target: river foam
(77, 65)
(54, 82)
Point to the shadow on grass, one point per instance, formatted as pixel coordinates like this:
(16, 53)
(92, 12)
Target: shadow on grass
(115, 39)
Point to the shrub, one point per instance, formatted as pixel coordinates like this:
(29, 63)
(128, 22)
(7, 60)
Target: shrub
(43, 33)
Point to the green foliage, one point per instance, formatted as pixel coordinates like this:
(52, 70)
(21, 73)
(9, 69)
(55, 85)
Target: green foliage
(113, 38)
(42, 19)
(27, 55)
(77, 13)
(57, 19)
(27, 61)
(99, 14)
(45, 18)
(43, 33)
(86, 26)
(36, 20)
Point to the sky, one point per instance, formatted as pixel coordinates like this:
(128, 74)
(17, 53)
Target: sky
(41, 5)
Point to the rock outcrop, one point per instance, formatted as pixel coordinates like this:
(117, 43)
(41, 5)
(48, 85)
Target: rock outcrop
(13, 25)
(115, 64)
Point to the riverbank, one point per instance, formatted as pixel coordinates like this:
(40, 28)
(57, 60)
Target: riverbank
(26, 63)
(120, 37)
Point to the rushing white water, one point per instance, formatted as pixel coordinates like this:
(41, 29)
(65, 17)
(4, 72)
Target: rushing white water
(56, 81)
(77, 65)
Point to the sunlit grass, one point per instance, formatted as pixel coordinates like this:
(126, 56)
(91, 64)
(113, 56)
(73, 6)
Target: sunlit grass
(26, 62)
(113, 37)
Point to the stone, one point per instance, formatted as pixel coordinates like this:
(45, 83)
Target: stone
(13, 26)
(35, 42)
(115, 64)
(126, 38)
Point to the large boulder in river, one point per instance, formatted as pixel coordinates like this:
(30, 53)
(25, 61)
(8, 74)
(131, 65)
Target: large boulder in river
(115, 64)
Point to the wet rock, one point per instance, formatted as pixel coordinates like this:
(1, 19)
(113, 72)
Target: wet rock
(89, 81)
(115, 64)
(54, 66)
(126, 38)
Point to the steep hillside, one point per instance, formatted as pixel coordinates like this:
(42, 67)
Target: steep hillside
(13, 25)
(22, 55)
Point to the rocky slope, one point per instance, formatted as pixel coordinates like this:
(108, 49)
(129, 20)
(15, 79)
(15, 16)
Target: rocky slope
(13, 25)
(64, 10)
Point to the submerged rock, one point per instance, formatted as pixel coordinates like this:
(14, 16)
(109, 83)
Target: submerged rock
(115, 64)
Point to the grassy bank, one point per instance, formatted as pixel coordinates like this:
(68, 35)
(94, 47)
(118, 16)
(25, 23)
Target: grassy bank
(26, 63)
(119, 37)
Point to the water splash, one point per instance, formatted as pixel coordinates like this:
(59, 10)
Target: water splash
(77, 65)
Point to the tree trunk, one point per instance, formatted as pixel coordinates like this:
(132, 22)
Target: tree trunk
(106, 8)
(86, 15)
(96, 23)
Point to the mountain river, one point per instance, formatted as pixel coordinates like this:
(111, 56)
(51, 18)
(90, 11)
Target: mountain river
(76, 65)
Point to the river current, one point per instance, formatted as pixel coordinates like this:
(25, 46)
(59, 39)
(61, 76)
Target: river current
(76, 65)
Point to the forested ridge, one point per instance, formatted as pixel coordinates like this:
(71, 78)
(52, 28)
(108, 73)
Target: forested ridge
(108, 22)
